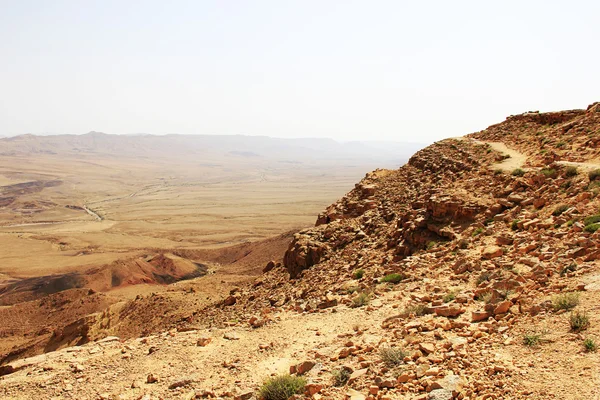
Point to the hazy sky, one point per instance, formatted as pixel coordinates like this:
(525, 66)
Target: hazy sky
(395, 70)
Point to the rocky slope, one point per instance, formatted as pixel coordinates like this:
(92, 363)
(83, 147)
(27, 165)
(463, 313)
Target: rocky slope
(472, 272)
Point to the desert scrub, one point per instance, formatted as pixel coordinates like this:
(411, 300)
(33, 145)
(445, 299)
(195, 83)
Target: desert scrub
(532, 339)
(483, 277)
(361, 300)
(486, 297)
(448, 297)
(565, 301)
(591, 220)
(569, 268)
(592, 228)
(590, 345)
(518, 172)
(579, 321)
(417, 309)
(571, 172)
(282, 387)
(341, 376)
(549, 172)
(358, 274)
(477, 231)
(393, 278)
(392, 356)
(560, 209)
(593, 175)
(515, 225)
(498, 171)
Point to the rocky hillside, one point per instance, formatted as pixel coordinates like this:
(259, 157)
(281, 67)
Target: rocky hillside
(472, 272)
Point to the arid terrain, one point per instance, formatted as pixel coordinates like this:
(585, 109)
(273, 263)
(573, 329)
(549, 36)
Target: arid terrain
(88, 221)
(471, 272)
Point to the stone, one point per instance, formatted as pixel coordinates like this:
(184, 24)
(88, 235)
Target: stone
(427, 348)
(151, 379)
(270, 265)
(203, 341)
(491, 252)
(304, 367)
(503, 307)
(477, 316)
(352, 394)
(229, 301)
(231, 336)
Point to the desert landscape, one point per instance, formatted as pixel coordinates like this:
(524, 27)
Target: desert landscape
(124, 216)
(471, 272)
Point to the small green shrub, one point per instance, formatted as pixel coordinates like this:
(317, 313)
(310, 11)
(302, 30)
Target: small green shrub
(498, 171)
(592, 228)
(392, 356)
(341, 376)
(449, 297)
(565, 301)
(549, 172)
(571, 172)
(483, 277)
(591, 220)
(477, 231)
(518, 172)
(532, 339)
(560, 209)
(358, 274)
(593, 175)
(590, 345)
(431, 244)
(361, 300)
(418, 310)
(579, 321)
(561, 144)
(486, 297)
(393, 278)
(515, 225)
(282, 387)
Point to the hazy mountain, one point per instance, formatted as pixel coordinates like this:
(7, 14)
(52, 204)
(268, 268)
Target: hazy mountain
(209, 146)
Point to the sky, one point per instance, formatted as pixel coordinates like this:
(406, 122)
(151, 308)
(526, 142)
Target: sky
(349, 70)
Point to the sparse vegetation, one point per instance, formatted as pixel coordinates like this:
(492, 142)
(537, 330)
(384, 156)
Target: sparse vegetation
(498, 171)
(590, 345)
(569, 268)
(393, 278)
(341, 376)
(417, 309)
(579, 321)
(592, 228)
(514, 225)
(560, 210)
(486, 297)
(361, 300)
(591, 220)
(565, 301)
(282, 387)
(358, 274)
(449, 297)
(532, 339)
(483, 277)
(549, 172)
(477, 231)
(518, 172)
(571, 172)
(392, 356)
(593, 175)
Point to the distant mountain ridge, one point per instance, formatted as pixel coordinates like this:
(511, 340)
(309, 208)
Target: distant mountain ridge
(147, 145)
